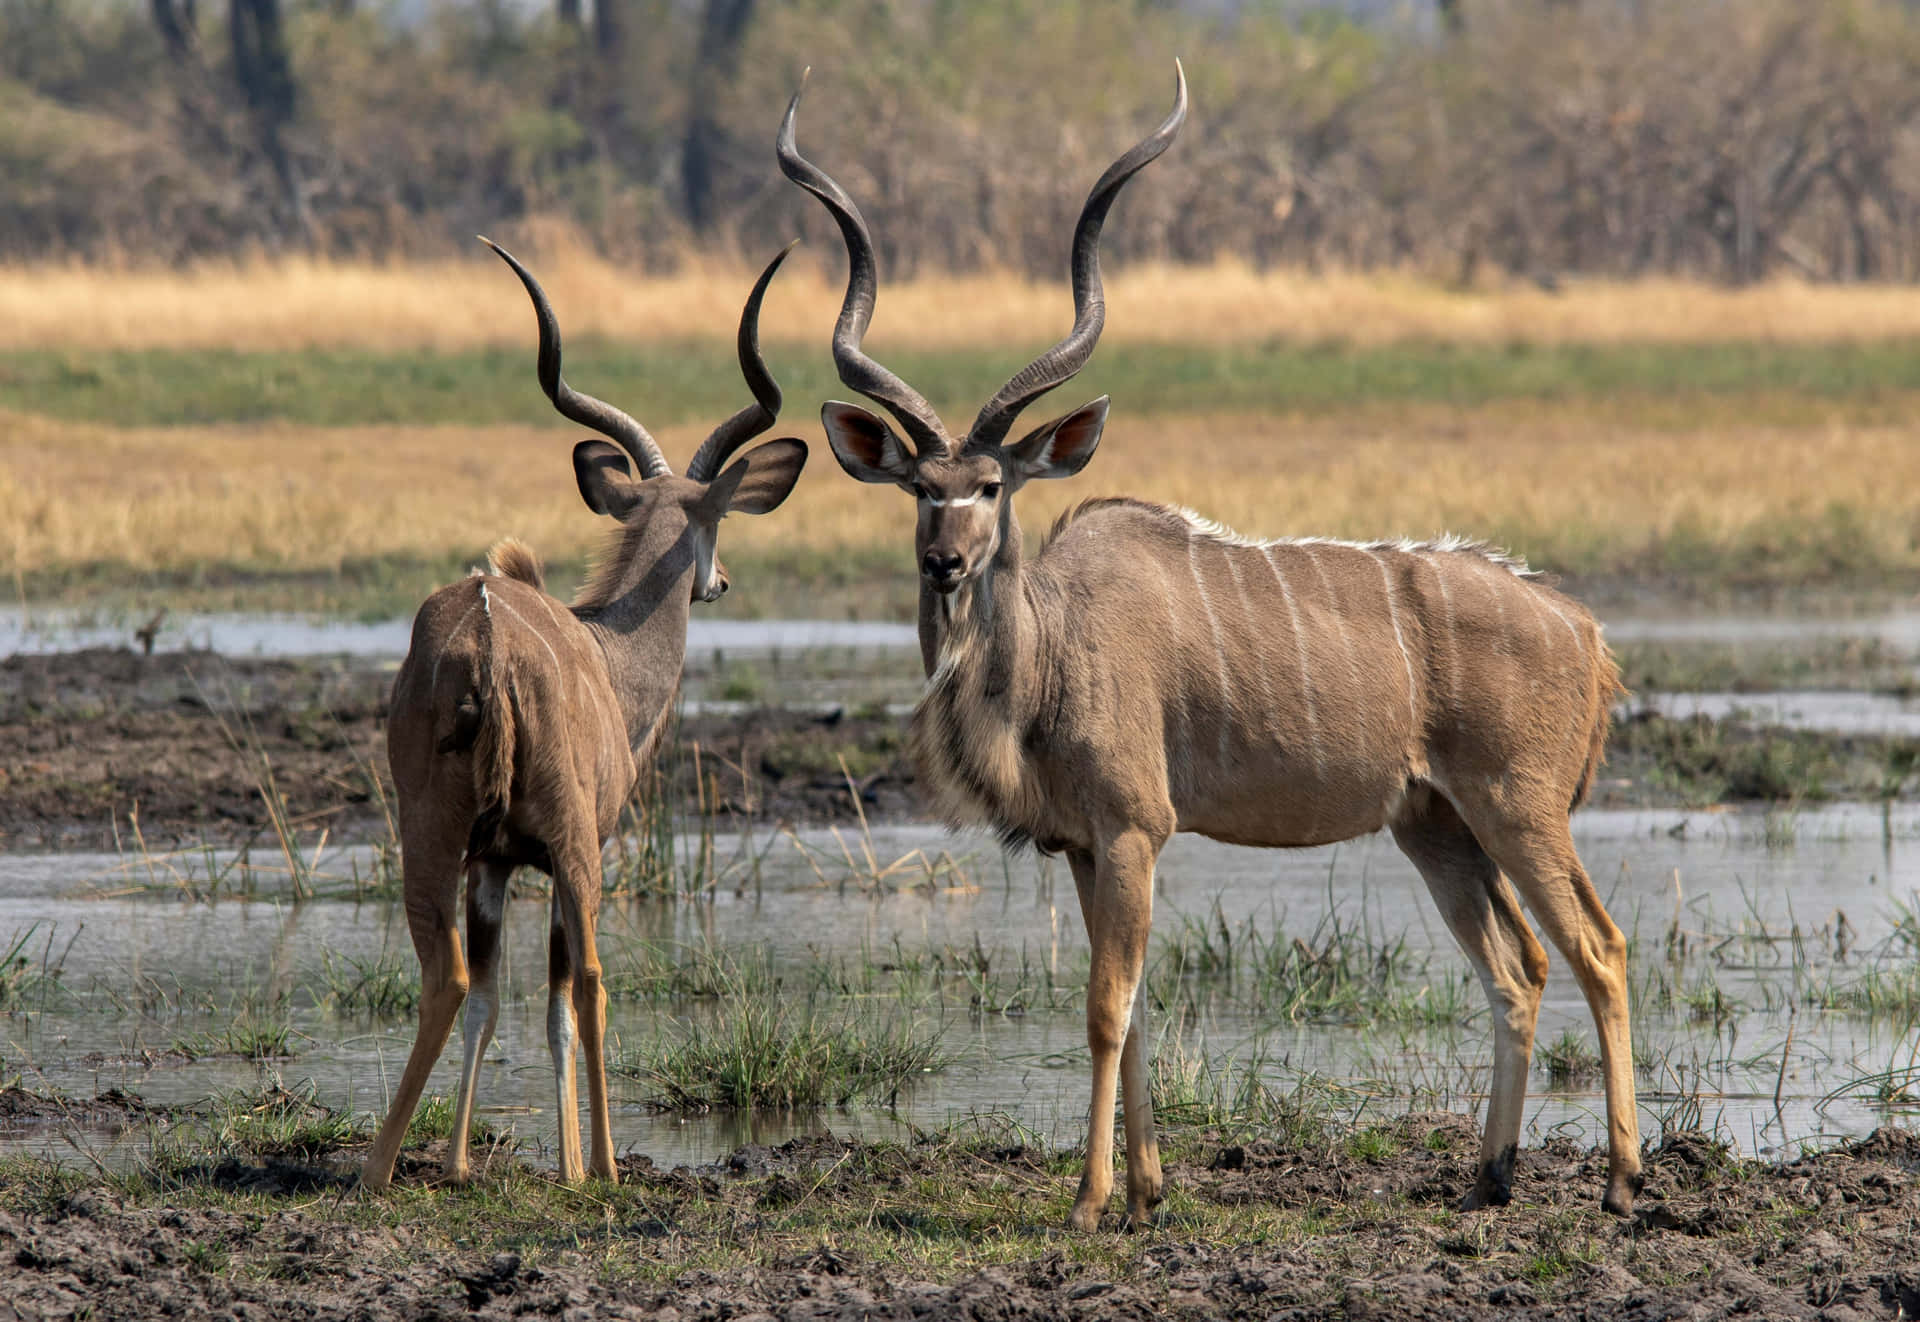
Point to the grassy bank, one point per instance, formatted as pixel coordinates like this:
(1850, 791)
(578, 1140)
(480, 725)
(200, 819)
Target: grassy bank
(1299, 1206)
(366, 519)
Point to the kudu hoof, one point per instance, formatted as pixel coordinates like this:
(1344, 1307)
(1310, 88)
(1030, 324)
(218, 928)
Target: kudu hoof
(1621, 1191)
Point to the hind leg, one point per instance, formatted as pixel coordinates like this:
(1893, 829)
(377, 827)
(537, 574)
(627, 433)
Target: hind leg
(1481, 911)
(486, 904)
(577, 882)
(1536, 850)
(431, 883)
(561, 1040)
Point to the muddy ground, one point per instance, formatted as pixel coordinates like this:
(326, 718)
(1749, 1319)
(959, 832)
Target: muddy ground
(947, 1228)
(188, 741)
(191, 742)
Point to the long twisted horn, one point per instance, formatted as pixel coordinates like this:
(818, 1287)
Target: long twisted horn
(583, 409)
(758, 416)
(857, 370)
(1058, 364)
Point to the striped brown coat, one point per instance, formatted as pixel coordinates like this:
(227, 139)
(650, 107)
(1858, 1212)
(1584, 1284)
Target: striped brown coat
(1150, 672)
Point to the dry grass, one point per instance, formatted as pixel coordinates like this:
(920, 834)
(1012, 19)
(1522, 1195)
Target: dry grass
(1575, 489)
(453, 305)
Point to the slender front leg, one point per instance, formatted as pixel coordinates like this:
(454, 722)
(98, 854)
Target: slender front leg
(486, 904)
(1118, 920)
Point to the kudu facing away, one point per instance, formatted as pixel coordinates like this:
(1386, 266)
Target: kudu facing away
(520, 724)
(1150, 672)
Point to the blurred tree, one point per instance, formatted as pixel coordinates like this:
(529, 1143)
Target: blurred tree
(264, 73)
(723, 30)
(610, 27)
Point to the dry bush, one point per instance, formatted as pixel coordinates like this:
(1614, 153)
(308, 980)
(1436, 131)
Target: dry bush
(1731, 140)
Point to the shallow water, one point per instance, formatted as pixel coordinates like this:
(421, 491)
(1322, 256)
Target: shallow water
(1757, 920)
(1831, 712)
(38, 632)
(58, 630)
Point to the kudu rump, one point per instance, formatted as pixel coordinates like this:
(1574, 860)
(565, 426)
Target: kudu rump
(520, 724)
(1151, 672)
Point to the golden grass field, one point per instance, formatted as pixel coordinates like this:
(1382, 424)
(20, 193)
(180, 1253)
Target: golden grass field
(1811, 489)
(1584, 492)
(298, 304)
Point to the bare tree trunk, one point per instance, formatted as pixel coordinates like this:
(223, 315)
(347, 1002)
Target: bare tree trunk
(723, 29)
(265, 74)
(610, 27)
(569, 12)
(176, 20)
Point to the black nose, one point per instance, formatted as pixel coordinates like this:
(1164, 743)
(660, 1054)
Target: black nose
(936, 565)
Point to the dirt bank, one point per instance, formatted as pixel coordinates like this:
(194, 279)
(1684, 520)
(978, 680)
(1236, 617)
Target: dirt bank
(190, 741)
(953, 1228)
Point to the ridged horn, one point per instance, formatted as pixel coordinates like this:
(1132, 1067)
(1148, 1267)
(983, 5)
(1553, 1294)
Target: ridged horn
(583, 409)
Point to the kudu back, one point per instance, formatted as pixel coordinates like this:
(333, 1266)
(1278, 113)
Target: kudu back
(1151, 672)
(519, 725)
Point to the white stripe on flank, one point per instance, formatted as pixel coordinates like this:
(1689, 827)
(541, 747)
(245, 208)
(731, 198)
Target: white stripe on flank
(1306, 676)
(1338, 615)
(1248, 614)
(1178, 759)
(1499, 591)
(438, 656)
(537, 634)
(1453, 639)
(1579, 644)
(1393, 617)
(1219, 654)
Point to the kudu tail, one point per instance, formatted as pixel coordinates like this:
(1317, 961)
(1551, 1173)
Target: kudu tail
(1606, 690)
(493, 742)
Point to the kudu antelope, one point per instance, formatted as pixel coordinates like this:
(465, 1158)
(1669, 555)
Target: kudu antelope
(1151, 672)
(519, 725)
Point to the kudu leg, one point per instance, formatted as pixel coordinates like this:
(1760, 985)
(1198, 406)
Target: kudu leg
(431, 884)
(576, 892)
(1548, 873)
(1481, 911)
(486, 905)
(1119, 914)
(561, 1038)
(1145, 1182)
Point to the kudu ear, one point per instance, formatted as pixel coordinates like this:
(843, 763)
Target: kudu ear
(759, 480)
(865, 446)
(1062, 447)
(606, 480)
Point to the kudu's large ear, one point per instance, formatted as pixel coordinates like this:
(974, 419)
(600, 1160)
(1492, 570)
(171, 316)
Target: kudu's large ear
(605, 478)
(1062, 447)
(757, 481)
(865, 446)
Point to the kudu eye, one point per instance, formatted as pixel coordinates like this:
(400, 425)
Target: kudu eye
(991, 491)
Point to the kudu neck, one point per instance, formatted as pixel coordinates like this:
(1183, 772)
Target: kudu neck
(642, 632)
